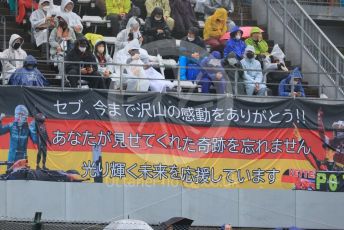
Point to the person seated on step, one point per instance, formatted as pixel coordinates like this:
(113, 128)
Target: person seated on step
(81, 67)
(13, 57)
(260, 45)
(42, 20)
(253, 76)
(293, 80)
(61, 41)
(275, 69)
(28, 75)
(73, 20)
(235, 44)
(215, 27)
(151, 5)
(156, 27)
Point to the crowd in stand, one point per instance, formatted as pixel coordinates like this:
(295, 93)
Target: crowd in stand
(237, 62)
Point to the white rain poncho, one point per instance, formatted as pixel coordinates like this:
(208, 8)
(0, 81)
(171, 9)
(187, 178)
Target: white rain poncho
(278, 54)
(72, 18)
(156, 82)
(38, 18)
(122, 37)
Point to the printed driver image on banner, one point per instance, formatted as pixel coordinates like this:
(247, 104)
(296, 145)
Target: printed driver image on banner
(98, 137)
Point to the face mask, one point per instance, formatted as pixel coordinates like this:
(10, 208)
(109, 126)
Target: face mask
(101, 50)
(232, 61)
(157, 18)
(136, 56)
(29, 67)
(296, 81)
(82, 49)
(250, 55)
(237, 37)
(191, 39)
(16, 45)
(45, 8)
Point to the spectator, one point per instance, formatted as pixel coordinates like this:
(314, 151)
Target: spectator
(141, 4)
(117, 11)
(275, 68)
(136, 76)
(73, 20)
(28, 75)
(208, 7)
(253, 76)
(294, 79)
(235, 44)
(194, 38)
(256, 40)
(232, 67)
(131, 32)
(184, 17)
(192, 64)
(104, 61)
(22, 6)
(12, 56)
(77, 70)
(61, 40)
(151, 5)
(215, 27)
(42, 19)
(215, 76)
(226, 227)
(156, 27)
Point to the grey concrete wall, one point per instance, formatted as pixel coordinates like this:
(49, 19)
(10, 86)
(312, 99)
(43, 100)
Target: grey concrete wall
(153, 204)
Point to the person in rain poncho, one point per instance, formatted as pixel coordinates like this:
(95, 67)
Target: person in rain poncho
(253, 76)
(235, 43)
(104, 62)
(73, 20)
(13, 52)
(42, 19)
(135, 55)
(293, 80)
(61, 41)
(215, 27)
(131, 32)
(20, 131)
(28, 75)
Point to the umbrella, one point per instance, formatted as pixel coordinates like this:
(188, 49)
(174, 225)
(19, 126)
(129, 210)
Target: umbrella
(128, 224)
(177, 223)
(246, 33)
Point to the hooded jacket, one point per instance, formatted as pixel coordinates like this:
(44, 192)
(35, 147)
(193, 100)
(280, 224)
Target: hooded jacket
(117, 6)
(212, 61)
(164, 4)
(216, 25)
(183, 15)
(71, 18)
(276, 54)
(10, 66)
(107, 57)
(234, 45)
(20, 131)
(55, 41)
(284, 88)
(250, 76)
(76, 56)
(123, 36)
(28, 77)
(152, 25)
(259, 47)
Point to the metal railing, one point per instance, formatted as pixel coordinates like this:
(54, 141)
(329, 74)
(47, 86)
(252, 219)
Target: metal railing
(332, 3)
(232, 80)
(310, 37)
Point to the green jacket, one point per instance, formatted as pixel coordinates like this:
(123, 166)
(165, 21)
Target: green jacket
(117, 6)
(259, 47)
(164, 4)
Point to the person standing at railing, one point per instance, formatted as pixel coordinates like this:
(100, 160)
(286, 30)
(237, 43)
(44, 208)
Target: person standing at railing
(293, 80)
(73, 20)
(13, 56)
(42, 20)
(83, 66)
(28, 75)
(253, 76)
(215, 27)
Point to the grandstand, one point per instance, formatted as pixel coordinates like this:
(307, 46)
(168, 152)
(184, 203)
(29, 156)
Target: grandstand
(269, 161)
